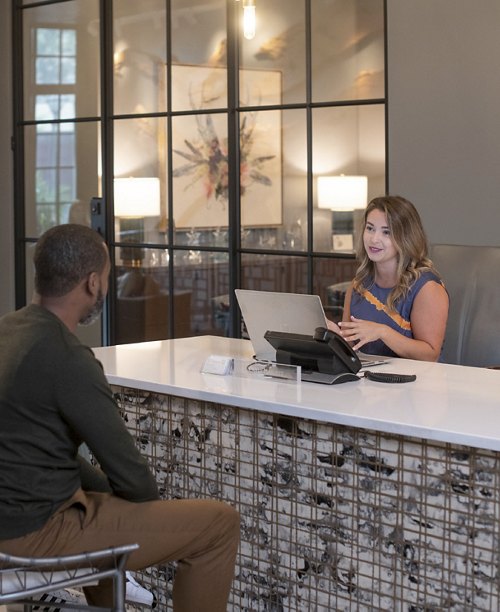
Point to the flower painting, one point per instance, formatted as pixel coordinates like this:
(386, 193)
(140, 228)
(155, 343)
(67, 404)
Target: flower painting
(200, 156)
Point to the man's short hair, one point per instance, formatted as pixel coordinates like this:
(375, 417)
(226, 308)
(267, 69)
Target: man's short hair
(64, 256)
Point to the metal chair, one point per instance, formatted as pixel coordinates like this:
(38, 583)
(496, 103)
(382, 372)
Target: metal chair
(24, 579)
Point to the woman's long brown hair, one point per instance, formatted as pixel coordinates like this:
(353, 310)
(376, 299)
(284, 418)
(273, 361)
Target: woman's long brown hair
(409, 239)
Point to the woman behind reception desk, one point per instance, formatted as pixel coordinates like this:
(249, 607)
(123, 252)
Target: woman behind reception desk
(397, 304)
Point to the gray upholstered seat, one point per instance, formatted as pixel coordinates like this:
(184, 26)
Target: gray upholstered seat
(472, 277)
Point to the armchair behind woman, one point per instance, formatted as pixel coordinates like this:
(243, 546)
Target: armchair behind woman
(471, 275)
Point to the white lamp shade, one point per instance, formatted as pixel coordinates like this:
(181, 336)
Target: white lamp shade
(342, 192)
(137, 197)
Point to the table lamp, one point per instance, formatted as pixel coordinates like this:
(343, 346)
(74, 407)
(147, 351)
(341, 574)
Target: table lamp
(135, 199)
(343, 195)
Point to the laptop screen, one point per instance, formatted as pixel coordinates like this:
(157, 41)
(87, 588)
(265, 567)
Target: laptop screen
(298, 313)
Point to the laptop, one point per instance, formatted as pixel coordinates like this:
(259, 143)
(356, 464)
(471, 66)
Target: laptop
(298, 313)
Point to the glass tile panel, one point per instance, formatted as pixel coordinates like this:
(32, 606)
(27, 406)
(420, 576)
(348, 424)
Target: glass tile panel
(347, 45)
(278, 46)
(274, 273)
(61, 174)
(261, 168)
(142, 295)
(199, 32)
(61, 58)
(140, 182)
(202, 289)
(348, 141)
(198, 87)
(139, 56)
(274, 180)
(200, 172)
(331, 278)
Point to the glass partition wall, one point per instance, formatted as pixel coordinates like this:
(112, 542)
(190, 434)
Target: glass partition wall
(215, 144)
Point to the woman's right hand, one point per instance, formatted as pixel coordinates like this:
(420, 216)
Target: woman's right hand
(333, 327)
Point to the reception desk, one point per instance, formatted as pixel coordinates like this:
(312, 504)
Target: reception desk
(360, 496)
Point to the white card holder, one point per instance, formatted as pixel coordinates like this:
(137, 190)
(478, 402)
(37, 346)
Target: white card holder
(218, 364)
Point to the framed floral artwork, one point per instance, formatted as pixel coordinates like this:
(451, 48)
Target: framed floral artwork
(199, 149)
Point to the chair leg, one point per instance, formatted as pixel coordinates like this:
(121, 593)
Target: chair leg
(119, 592)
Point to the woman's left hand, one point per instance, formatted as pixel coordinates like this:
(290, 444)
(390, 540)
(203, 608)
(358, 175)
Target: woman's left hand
(359, 332)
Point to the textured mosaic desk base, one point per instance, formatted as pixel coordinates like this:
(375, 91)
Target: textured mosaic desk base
(332, 518)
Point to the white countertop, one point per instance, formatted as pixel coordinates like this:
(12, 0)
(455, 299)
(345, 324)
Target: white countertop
(446, 403)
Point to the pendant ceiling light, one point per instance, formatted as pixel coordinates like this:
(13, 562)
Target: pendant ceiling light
(248, 19)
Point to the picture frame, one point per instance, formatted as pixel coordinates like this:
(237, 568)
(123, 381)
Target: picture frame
(199, 148)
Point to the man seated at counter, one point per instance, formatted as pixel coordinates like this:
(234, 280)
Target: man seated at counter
(53, 397)
(397, 304)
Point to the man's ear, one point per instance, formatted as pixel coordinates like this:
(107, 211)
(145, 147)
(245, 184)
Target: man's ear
(93, 283)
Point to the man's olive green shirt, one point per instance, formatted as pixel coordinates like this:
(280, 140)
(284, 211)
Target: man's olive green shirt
(53, 397)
